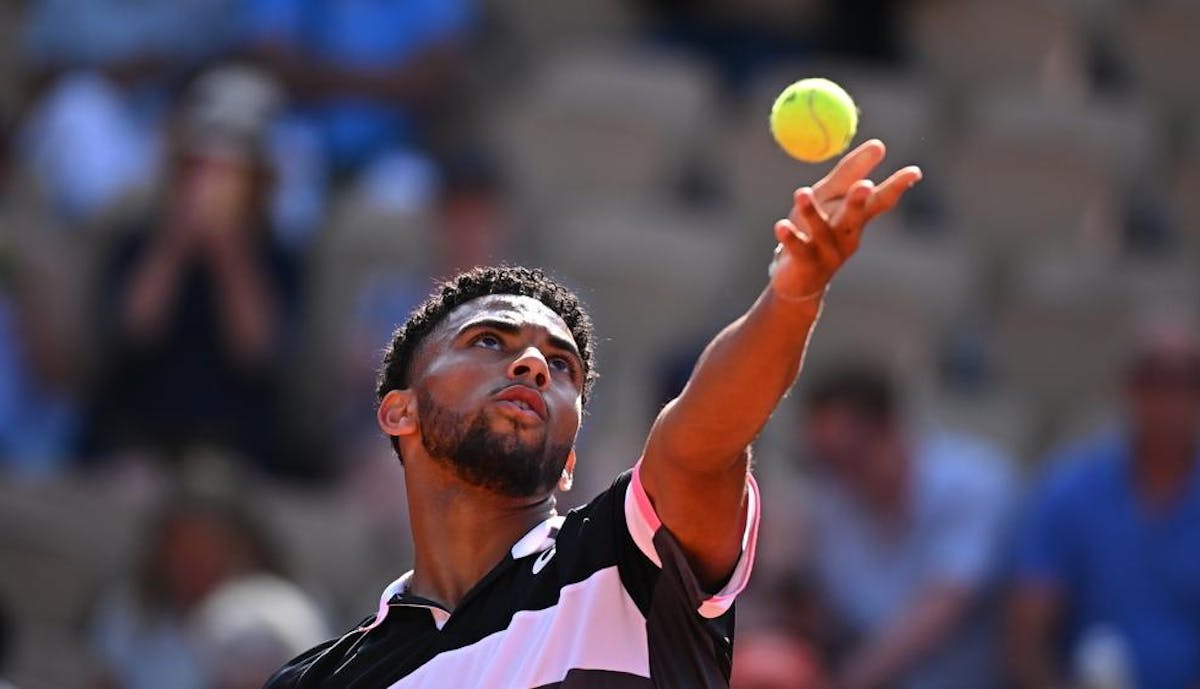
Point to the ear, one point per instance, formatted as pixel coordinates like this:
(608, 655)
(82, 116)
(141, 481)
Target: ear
(568, 473)
(397, 413)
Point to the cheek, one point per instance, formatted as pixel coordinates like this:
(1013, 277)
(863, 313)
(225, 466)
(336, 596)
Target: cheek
(568, 414)
(459, 381)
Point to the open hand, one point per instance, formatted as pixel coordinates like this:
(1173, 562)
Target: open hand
(826, 222)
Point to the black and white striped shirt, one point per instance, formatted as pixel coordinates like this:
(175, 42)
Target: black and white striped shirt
(602, 597)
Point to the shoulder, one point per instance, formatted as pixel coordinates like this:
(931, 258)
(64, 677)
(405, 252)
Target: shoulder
(1082, 470)
(326, 661)
(612, 496)
(607, 507)
(597, 534)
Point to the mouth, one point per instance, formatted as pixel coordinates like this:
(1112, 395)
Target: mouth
(524, 399)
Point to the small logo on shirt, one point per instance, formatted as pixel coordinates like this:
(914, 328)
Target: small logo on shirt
(542, 560)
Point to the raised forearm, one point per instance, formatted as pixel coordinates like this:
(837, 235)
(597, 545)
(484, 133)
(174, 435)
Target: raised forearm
(694, 465)
(752, 363)
(247, 306)
(152, 291)
(737, 383)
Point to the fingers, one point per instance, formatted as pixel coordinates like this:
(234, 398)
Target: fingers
(831, 234)
(789, 236)
(805, 196)
(854, 166)
(855, 206)
(791, 243)
(853, 216)
(806, 214)
(822, 239)
(797, 233)
(888, 194)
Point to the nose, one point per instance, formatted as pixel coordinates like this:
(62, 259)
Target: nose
(530, 365)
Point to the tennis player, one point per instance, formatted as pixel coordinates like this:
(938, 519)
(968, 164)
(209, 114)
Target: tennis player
(482, 391)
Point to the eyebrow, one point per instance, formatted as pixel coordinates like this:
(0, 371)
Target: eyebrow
(511, 328)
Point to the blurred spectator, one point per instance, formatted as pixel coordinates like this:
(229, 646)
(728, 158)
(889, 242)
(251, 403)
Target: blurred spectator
(1107, 575)
(5, 646)
(863, 29)
(133, 42)
(774, 659)
(251, 626)
(142, 631)
(738, 37)
(102, 72)
(84, 147)
(473, 214)
(743, 37)
(906, 533)
(365, 74)
(38, 414)
(200, 297)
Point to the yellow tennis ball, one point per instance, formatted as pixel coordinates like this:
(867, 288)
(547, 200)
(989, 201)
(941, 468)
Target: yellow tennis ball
(814, 120)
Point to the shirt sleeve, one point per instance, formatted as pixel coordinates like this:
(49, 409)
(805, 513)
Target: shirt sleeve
(659, 546)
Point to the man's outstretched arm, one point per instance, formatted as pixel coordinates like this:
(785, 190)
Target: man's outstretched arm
(695, 461)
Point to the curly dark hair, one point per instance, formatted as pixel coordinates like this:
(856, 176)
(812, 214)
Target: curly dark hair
(481, 282)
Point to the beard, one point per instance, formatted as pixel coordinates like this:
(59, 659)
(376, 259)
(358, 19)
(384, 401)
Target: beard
(499, 462)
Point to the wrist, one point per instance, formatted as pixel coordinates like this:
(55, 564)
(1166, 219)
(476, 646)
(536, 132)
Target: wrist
(815, 297)
(796, 315)
(798, 294)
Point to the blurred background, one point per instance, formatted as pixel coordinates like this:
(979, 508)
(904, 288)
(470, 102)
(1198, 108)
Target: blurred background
(213, 212)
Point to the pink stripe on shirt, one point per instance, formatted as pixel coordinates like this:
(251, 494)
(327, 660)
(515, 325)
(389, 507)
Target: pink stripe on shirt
(644, 523)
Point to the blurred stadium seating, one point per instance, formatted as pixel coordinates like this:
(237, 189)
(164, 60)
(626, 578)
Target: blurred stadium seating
(640, 175)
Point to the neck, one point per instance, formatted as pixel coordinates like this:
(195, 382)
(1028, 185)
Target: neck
(460, 532)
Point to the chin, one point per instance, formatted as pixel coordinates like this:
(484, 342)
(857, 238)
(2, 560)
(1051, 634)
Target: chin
(504, 425)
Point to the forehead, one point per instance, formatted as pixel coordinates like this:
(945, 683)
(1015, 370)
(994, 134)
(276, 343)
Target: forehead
(521, 311)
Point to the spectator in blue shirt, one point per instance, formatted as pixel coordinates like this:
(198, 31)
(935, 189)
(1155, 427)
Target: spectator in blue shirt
(905, 543)
(103, 73)
(365, 77)
(361, 70)
(1107, 573)
(38, 412)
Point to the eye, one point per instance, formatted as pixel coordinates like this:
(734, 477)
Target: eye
(488, 341)
(560, 363)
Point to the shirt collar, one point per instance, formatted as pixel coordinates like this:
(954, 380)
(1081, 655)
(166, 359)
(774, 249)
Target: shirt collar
(537, 540)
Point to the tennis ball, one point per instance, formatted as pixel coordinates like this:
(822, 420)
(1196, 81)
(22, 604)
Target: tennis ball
(814, 120)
